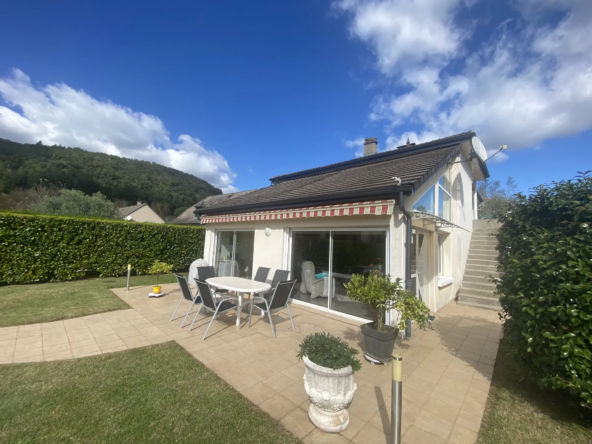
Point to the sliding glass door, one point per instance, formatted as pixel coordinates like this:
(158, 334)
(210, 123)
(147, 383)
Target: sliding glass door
(323, 261)
(234, 253)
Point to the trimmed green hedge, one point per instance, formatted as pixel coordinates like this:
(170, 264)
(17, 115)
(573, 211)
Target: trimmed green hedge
(40, 248)
(545, 246)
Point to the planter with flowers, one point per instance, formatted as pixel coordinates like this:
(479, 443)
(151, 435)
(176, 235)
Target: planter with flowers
(330, 364)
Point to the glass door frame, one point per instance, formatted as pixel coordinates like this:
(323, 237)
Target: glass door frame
(415, 276)
(291, 230)
(215, 246)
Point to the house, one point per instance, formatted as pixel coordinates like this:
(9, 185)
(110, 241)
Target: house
(407, 212)
(188, 217)
(140, 213)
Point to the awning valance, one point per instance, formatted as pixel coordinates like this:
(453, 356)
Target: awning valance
(376, 207)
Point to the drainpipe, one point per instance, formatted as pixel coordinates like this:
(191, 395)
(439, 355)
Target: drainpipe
(408, 222)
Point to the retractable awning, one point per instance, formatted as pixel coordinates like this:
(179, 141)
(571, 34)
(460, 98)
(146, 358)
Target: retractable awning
(377, 208)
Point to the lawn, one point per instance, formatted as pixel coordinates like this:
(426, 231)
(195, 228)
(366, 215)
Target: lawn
(519, 412)
(33, 303)
(155, 394)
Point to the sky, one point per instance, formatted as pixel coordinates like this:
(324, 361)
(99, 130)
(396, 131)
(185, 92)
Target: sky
(236, 92)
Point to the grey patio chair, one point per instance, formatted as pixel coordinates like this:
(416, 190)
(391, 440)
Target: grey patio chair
(187, 295)
(261, 275)
(278, 301)
(279, 276)
(204, 273)
(211, 304)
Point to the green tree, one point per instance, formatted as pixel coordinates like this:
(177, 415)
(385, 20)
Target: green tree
(496, 198)
(76, 203)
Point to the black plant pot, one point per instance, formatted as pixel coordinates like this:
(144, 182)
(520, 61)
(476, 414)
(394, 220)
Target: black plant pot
(379, 345)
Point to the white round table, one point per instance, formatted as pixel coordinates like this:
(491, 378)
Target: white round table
(240, 286)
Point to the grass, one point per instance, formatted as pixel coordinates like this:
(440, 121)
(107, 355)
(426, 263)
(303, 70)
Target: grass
(157, 394)
(519, 412)
(33, 303)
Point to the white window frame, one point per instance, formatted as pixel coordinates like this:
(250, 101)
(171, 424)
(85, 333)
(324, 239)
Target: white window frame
(440, 188)
(441, 255)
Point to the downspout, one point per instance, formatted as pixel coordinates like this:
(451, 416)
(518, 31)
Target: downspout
(409, 228)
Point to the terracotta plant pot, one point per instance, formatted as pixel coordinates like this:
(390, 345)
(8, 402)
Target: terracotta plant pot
(156, 289)
(330, 392)
(379, 345)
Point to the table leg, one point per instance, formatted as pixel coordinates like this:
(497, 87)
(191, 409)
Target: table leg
(239, 310)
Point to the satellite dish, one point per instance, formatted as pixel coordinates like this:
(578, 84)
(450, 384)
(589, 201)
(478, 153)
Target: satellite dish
(479, 148)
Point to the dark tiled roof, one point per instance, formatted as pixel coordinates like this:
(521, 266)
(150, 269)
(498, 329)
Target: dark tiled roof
(188, 216)
(126, 211)
(368, 178)
(379, 157)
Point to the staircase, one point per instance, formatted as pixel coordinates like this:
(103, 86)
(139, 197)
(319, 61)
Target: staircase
(477, 290)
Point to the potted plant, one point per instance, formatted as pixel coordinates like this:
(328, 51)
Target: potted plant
(382, 294)
(159, 268)
(330, 364)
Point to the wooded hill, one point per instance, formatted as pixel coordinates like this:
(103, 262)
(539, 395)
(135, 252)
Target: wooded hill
(25, 165)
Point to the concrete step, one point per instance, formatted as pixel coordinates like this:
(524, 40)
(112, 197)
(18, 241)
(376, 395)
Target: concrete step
(466, 291)
(479, 300)
(479, 286)
(492, 254)
(478, 282)
(481, 274)
(477, 263)
(486, 223)
(484, 243)
(484, 236)
(497, 308)
(482, 256)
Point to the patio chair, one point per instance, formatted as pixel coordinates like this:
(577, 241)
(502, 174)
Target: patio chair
(204, 273)
(187, 295)
(212, 304)
(278, 301)
(261, 275)
(278, 276)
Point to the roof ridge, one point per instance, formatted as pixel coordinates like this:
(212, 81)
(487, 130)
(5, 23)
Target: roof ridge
(378, 157)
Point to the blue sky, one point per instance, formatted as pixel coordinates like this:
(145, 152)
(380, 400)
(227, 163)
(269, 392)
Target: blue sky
(236, 92)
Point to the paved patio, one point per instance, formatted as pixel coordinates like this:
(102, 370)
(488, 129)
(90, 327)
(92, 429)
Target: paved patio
(446, 371)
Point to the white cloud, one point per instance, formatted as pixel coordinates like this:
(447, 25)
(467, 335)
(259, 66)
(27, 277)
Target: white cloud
(356, 143)
(58, 114)
(405, 33)
(530, 82)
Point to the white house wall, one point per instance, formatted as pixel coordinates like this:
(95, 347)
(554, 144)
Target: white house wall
(456, 247)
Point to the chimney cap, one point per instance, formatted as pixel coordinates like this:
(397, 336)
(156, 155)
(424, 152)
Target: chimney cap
(369, 140)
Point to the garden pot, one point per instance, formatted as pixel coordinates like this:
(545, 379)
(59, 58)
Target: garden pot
(156, 289)
(379, 345)
(330, 393)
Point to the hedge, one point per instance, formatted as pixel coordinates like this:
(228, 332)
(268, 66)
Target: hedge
(545, 246)
(41, 248)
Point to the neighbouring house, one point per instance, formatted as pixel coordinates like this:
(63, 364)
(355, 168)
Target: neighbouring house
(407, 212)
(188, 217)
(140, 213)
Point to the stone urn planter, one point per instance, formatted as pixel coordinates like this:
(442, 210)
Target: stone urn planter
(330, 392)
(379, 345)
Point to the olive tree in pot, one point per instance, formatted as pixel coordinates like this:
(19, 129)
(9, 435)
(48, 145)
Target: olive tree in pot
(330, 364)
(382, 294)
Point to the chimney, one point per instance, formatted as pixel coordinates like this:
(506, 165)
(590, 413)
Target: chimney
(370, 146)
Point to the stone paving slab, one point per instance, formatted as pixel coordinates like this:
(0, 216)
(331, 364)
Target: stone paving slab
(446, 371)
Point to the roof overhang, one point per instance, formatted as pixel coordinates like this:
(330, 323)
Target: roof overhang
(374, 208)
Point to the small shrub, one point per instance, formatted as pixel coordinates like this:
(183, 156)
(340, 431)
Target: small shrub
(329, 351)
(545, 253)
(159, 268)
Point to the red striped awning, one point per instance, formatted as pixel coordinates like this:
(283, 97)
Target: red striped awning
(376, 207)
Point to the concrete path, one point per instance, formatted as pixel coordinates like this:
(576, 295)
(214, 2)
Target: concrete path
(446, 371)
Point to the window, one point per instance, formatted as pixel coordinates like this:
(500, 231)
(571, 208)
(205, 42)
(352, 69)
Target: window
(234, 253)
(437, 199)
(440, 255)
(426, 203)
(444, 196)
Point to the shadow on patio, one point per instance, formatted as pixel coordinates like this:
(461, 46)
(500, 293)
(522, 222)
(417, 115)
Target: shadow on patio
(446, 371)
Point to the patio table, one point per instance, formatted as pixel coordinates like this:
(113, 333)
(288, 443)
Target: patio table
(240, 286)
